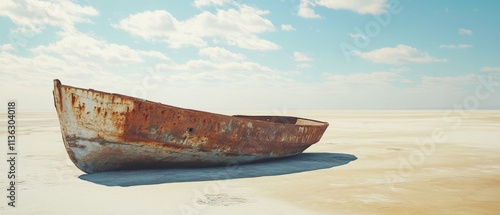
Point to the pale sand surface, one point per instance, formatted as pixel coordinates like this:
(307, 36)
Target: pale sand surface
(368, 162)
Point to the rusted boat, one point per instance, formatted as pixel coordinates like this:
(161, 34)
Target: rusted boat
(106, 132)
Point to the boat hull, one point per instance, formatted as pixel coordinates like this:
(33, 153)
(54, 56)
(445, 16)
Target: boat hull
(106, 132)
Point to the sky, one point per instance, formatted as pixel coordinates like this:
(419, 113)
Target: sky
(256, 55)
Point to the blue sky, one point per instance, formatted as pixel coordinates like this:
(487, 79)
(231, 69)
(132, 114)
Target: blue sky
(268, 55)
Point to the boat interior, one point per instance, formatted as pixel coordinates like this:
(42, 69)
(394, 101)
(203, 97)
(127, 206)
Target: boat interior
(282, 119)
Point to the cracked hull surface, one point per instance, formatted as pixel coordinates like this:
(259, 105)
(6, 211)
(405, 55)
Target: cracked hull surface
(106, 132)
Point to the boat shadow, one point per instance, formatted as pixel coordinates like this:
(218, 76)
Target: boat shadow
(299, 163)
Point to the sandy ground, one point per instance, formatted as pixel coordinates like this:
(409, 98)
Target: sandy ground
(368, 162)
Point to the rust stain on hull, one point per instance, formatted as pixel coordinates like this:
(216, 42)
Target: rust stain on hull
(105, 132)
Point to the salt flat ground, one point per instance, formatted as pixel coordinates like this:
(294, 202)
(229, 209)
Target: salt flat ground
(368, 162)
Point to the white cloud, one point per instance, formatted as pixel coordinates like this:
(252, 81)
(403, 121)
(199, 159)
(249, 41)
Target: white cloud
(305, 11)
(78, 57)
(85, 61)
(42, 68)
(449, 81)
(401, 54)
(304, 65)
(371, 79)
(287, 28)
(226, 81)
(460, 46)
(220, 78)
(202, 3)
(223, 66)
(358, 6)
(235, 68)
(159, 25)
(463, 31)
(365, 79)
(30, 79)
(6, 47)
(82, 48)
(33, 16)
(298, 56)
(238, 27)
(220, 54)
(490, 69)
